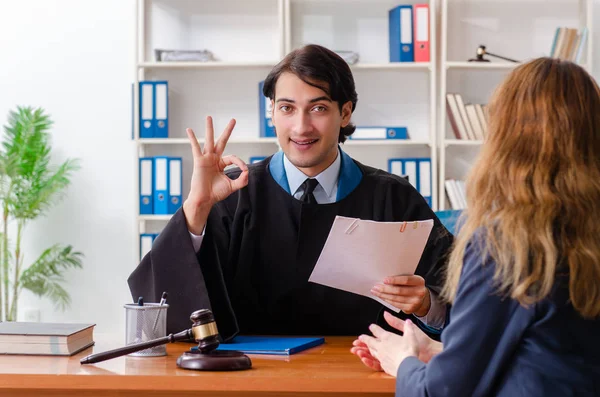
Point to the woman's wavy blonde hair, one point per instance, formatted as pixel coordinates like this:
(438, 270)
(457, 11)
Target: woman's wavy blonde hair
(534, 193)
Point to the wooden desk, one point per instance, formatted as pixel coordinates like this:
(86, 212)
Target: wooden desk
(326, 370)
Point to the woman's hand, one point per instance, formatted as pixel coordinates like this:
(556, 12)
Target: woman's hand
(424, 347)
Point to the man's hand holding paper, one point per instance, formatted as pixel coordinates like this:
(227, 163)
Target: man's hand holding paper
(359, 254)
(407, 292)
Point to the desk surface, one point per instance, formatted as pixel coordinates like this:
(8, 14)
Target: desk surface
(329, 369)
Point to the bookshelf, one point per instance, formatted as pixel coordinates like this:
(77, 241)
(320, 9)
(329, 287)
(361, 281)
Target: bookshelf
(389, 93)
(247, 39)
(521, 30)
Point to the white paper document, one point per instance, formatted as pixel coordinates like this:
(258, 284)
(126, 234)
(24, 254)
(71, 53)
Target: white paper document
(359, 254)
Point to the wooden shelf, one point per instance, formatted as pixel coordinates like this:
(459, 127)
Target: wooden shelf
(459, 142)
(205, 65)
(273, 141)
(185, 141)
(228, 65)
(154, 217)
(385, 142)
(392, 65)
(482, 65)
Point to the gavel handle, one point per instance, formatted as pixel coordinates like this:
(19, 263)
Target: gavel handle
(501, 57)
(107, 355)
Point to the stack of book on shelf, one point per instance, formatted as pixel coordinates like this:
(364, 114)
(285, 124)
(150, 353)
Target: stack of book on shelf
(469, 121)
(455, 190)
(568, 44)
(57, 339)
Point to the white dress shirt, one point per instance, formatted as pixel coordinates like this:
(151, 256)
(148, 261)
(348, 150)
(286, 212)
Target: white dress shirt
(326, 190)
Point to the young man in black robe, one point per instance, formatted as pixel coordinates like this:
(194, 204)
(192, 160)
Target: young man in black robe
(246, 240)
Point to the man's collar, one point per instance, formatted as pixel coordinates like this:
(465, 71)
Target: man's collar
(349, 173)
(328, 178)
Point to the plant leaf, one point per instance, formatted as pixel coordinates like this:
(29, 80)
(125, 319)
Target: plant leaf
(28, 184)
(45, 275)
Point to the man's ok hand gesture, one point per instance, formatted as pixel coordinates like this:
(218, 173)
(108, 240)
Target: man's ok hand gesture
(209, 183)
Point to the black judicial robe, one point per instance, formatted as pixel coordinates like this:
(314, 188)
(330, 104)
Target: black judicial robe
(260, 247)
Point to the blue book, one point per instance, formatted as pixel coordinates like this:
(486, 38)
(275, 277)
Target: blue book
(175, 183)
(265, 114)
(380, 133)
(401, 34)
(160, 185)
(147, 104)
(161, 109)
(256, 159)
(418, 171)
(146, 181)
(278, 345)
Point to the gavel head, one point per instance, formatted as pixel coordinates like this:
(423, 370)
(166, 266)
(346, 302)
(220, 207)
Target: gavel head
(205, 330)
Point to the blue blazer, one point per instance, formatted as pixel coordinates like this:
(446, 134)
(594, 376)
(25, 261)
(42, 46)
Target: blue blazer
(493, 346)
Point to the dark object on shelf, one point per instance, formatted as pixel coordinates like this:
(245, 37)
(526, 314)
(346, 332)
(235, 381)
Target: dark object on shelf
(481, 51)
(350, 57)
(183, 55)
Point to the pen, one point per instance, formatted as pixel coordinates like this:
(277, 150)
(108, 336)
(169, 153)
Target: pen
(163, 300)
(138, 325)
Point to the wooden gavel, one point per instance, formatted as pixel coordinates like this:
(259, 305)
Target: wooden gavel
(204, 331)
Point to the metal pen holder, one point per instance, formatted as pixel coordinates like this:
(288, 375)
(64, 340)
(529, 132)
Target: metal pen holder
(144, 323)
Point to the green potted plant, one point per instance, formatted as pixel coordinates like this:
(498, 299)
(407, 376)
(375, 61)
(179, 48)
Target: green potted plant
(29, 186)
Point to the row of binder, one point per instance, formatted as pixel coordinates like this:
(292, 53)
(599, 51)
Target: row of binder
(154, 119)
(409, 33)
(160, 185)
(161, 180)
(418, 171)
(154, 109)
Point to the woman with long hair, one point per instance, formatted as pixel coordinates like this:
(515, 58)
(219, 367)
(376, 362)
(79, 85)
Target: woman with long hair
(524, 274)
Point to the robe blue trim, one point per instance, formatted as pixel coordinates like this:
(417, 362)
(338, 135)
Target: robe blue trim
(349, 179)
(277, 171)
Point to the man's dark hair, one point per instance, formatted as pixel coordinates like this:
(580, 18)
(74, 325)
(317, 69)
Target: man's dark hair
(316, 65)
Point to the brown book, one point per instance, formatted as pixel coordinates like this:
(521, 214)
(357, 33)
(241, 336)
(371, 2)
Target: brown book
(486, 113)
(454, 117)
(562, 32)
(575, 47)
(61, 339)
(482, 119)
(465, 118)
(474, 120)
(570, 38)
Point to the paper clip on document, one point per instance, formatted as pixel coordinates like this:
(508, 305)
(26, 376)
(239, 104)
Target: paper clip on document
(403, 226)
(352, 226)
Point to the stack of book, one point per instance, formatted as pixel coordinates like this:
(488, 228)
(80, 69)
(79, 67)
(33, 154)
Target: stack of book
(568, 44)
(59, 339)
(455, 190)
(469, 121)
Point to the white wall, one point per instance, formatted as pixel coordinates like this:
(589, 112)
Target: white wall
(75, 59)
